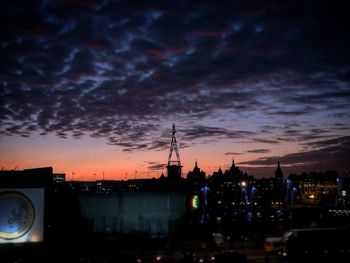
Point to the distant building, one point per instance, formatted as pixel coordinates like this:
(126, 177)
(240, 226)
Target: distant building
(270, 191)
(231, 188)
(105, 186)
(266, 192)
(313, 187)
(58, 178)
(279, 174)
(196, 176)
(59, 182)
(235, 173)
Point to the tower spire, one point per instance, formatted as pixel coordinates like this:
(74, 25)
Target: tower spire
(174, 166)
(279, 173)
(173, 147)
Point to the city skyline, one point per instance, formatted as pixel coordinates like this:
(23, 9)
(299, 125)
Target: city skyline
(92, 88)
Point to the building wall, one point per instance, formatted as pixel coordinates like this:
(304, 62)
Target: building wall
(126, 212)
(24, 194)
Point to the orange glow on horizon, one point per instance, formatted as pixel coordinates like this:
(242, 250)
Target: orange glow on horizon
(90, 159)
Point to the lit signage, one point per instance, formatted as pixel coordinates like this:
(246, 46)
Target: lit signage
(21, 215)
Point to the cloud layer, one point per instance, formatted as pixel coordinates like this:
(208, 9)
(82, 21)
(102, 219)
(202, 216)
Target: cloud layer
(123, 70)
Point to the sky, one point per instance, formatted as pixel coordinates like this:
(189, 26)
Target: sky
(92, 88)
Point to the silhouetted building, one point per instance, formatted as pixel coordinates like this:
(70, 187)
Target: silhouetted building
(231, 188)
(266, 192)
(235, 172)
(196, 176)
(218, 175)
(279, 174)
(270, 191)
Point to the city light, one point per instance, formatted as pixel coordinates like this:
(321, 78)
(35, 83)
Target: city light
(195, 201)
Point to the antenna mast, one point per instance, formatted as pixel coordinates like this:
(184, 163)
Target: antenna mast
(174, 167)
(173, 147)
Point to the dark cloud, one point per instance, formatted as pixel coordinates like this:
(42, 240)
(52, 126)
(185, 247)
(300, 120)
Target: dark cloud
(301, 134)
(199, 132)
(331, 154)
(268, 129)
(340, 126)
(268, 141)
(155, 166)
(290, 113)
(116, 69)
(340, 142)
(259, 151)
(159, 145)
(233, 153)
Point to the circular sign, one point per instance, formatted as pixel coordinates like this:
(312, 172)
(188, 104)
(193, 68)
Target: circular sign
(17, 215)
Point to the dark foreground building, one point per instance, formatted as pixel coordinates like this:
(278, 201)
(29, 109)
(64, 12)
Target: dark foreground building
(154, 213)
(23, 198)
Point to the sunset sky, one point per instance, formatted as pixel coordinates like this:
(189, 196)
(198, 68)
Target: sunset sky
(92, 88)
